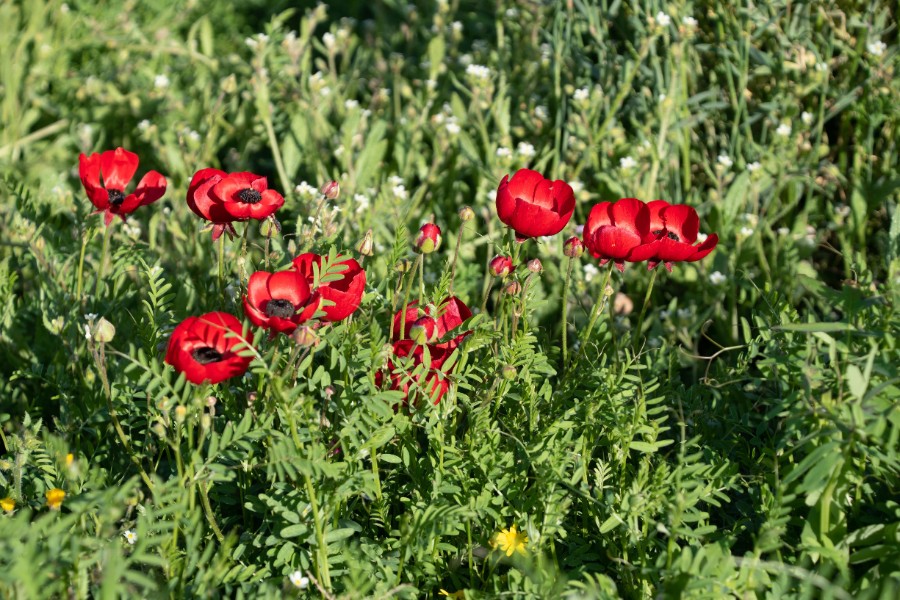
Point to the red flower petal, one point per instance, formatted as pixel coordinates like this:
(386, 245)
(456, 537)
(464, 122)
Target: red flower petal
(118, 167)
(615, 242)
(631, 214)
(524, 183)
(288, 285)
(151, 188)
(89, 171)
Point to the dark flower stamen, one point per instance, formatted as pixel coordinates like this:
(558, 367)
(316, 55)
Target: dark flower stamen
(674, 236)
(249, 196)
(116, 197)
(206, 355)
(283, 309)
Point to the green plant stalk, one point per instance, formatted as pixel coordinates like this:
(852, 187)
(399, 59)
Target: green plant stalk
(321, 548)
(640, 323)
(207, 510)
(422, 280)
(79, 287)
(222, 264)
(406, 298)
(565, 310)
(598, 307)
(276, 151)
(455, 256)
(103, 253)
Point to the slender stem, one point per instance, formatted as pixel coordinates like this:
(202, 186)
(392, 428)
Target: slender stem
(598, 308)
(207, 509)
(406, 300)
(221, 264)
(455, 256)
(276, 151)
(640, 323)
(565, 310)
(80, 280)
(321, 548)
(103, 253)
(422, 280)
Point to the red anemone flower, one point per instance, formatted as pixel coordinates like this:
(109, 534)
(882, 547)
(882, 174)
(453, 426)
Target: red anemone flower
(616, 230)
(223, 198)
(673, 232)
(117, 167)
(344, 290)
(206, 348)
(279, 301)
(452, 314)
(534, 206)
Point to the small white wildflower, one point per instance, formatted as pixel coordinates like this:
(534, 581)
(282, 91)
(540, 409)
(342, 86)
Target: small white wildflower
(192, 135)
(306, 190)
(456, 26)
(581, 94)
(661, 98)
(143, 125)
(362, 202)
(492, 195)
(132, 230)
(351, 104)
(251, 43)
(576, 186)
(395, 180)
(130, 536)
(702, 237)
(64, 8)
(339, 151)
(541, 112)
(465, 60)
(299, 580)
(504, 152)
(87, 332)
(325, 92)
(842, 210)
(821, 67)
(662, 19)
(430, 84)
(626, 162)
(784, 130)
(807, 118)
(689, 21)
(512, 13)
(400, 192)
(590, 271)
(783, 231)
(452, 126)
(717, 278)
(90, 316)
(725, 161)
(746, 231)
(160, 82)
(876, 48)
(328, 40)
(478, 72)
(525, 149)
(754, 166)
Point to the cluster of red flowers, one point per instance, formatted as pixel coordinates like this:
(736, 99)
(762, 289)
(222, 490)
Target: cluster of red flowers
(214, 346)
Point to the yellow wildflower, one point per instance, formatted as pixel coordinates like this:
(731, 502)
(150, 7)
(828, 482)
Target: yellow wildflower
(460, 595)
(70, 458)
(7, 504)
(55, 498)
(510, 540)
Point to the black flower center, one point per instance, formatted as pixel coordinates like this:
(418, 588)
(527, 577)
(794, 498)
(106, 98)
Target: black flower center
(674, 236)
(283, 309)
(249, 196)
(669, 234)
(206, 355)
(116, 197)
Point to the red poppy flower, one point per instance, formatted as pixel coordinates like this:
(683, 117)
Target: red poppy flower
(615, 230)
(501, 266)
(452, 314)
(534, 206)
(206, 348)
(279, 301)
(673, 232)
(345, 292)
(117, 167)
(223, 198)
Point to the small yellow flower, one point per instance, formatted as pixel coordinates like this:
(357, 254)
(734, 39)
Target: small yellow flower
(460, 595)
(55, 498)
(70, 458)
(7, 504)
(510, 540)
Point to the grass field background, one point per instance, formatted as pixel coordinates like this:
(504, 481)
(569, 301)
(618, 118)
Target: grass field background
(731, 432)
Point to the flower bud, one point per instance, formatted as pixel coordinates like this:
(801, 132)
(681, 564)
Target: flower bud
(422, 330)
(404, 265)
(205, 422)
(331, 190)
(622, 304)
(535, 266)
(8, 504)
(104, 331)
(366, 245)
(180, 413)
(573, 248)
(512, 288)
(466, 214)
(508, 372)
(429, 238)
(270, 227)
(306, 337)
(501, 266)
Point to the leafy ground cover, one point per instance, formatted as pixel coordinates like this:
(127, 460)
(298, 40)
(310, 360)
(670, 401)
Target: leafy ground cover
(726, 429)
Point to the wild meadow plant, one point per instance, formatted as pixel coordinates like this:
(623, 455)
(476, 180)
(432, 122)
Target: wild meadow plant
(567, 299)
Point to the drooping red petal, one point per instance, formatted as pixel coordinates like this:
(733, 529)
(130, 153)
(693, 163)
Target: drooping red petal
(151, 188)
(89, 172)
(668, 250)
(506, 202)
(452, 313)
(118, 167)
(708, 245)
(683, 221)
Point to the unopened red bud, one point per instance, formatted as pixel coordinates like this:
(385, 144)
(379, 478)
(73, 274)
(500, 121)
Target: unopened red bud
(331, 190)
(422, 330)
(306, 337)
(501, 266)
(429, 238)
(508, 372)
(512, 288)
(573, 248)
(466, 214)
(535, 266)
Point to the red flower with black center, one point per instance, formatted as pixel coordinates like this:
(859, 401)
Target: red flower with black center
(222, 198)
(452, 314)
(279, 301)
(343, 291)
(117, 167)
(616, 230)
(208, 347)
(673, 233)
(534, 206)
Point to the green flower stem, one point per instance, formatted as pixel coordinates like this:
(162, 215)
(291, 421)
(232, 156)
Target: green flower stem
(598, 308)
(406, 298)
(207, 510)
(456, 255)
(222, 264)
(565, 310)
(321, 548)
(640, 323)
(103, 253)
(422, 280)
(80, 279)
